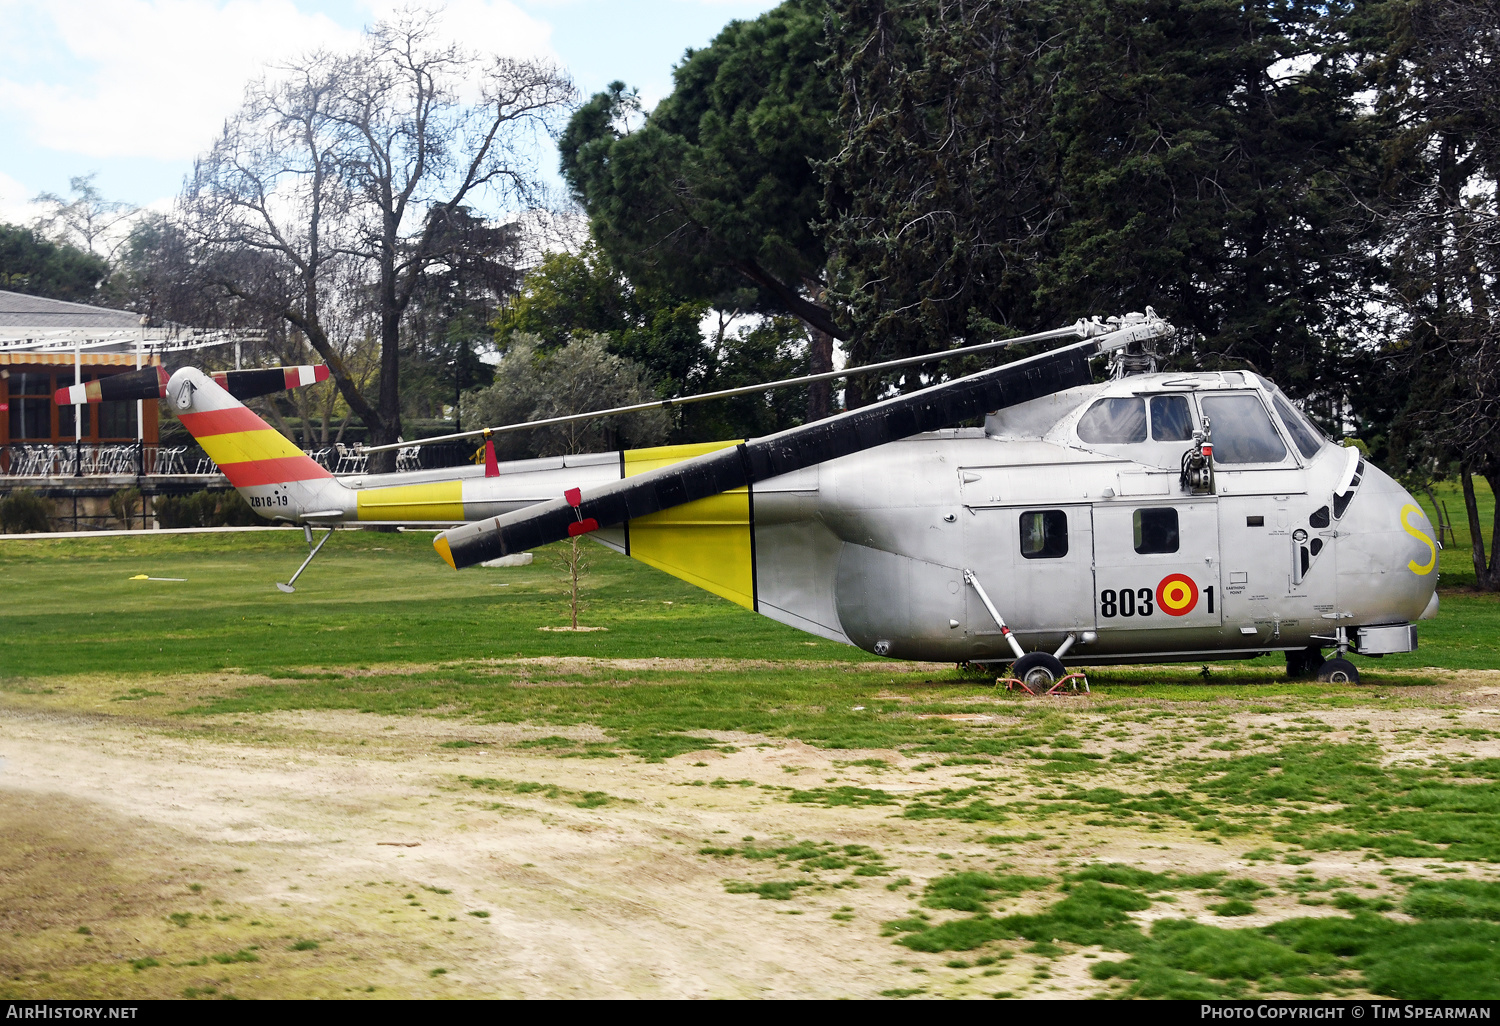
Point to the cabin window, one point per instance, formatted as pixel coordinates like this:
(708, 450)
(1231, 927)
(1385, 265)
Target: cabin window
(1242, 430)
(117, 419)
(1114, 422)
(1044, 534)
(1155, 530)
(30, 406)
(1304, 435)
(1171, 418)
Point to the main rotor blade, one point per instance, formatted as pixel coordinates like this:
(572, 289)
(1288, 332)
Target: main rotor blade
(763, 458)
(1081, 329)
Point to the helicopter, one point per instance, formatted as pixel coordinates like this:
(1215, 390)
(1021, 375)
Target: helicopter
(1154, 517)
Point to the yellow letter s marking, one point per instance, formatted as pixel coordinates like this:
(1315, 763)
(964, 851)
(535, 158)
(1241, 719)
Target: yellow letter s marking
(1414, 566)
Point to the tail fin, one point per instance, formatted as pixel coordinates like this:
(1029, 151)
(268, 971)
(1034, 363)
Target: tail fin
(248, 451)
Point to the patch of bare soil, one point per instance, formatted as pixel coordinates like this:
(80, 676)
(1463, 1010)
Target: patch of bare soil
(337, 854)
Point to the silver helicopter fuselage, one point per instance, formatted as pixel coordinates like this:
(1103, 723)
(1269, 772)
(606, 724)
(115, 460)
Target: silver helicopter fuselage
(1069, 513)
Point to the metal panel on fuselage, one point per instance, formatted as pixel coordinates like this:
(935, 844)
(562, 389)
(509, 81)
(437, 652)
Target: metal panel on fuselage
(1260, 551)
(1143, 590)
(1045, 595)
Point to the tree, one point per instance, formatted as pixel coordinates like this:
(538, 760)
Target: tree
(357, 166)
(717, 190)
(86, 218)
(943, 194)
(448, 321)
(570, 296)
(37, 267)
(1437, 75)
(1011, 164)
(531, 384)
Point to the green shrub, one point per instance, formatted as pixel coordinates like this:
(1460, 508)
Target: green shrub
(125, 506)
(25, 512)
(206, 509)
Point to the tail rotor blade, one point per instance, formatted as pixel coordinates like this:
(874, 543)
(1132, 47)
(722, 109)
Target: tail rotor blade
(247, 384)
(146, 383)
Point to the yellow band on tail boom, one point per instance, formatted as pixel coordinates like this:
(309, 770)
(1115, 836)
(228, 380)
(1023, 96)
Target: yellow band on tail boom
(709, 543)
(440, 502)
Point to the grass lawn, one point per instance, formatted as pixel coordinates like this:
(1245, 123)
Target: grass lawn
(368, 598)
(1242, 772)
(372, 599)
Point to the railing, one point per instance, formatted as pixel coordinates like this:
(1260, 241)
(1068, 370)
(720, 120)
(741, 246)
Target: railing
(88, 459)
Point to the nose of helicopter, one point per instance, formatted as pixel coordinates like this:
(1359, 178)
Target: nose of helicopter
(1387, 554)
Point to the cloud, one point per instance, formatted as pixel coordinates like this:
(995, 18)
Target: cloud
(156, 78)
(15, 202)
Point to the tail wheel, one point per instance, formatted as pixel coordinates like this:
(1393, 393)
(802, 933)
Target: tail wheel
(1038, 669)
(1339, 671)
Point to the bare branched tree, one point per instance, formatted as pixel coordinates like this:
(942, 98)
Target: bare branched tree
(346, 166)
(87, 219)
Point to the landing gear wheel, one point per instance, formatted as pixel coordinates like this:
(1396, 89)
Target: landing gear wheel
(1305, 663)
(1339, 671)
(1038, 669)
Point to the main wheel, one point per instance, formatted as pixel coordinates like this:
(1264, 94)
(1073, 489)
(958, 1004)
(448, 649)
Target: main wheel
(1339, 671)
(1305, 663)
(1038, 669)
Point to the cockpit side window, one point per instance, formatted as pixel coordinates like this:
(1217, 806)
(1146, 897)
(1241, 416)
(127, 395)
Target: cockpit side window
(1171, 418)
(1114, 421)
(1306, 437)
(1242, 430)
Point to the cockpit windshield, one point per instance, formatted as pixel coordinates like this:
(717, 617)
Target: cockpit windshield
(1307, 438)
(1242, 430)
(1114, 422)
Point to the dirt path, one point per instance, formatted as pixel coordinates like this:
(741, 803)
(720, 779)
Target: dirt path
(338, 854)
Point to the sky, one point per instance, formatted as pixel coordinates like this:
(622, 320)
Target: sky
(133, 90)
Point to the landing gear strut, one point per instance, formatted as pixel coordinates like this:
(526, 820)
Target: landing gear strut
(307, 533)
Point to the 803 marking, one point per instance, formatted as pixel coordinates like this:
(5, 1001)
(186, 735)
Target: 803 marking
(1176, 595)
(1127, 602)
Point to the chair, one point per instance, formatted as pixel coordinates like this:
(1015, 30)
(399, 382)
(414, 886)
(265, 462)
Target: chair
(350, 460)
(409, 458)
(169, 460)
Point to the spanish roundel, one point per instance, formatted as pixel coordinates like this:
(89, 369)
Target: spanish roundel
(1176, 595)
